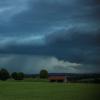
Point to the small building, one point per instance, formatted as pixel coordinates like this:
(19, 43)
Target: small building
(57, 78)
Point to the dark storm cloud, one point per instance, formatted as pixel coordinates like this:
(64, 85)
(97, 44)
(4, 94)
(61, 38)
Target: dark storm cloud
(76, 45)
(71, 44)
(68, 30)
(43, 15)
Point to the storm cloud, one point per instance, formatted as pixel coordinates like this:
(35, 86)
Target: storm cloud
(68, 31)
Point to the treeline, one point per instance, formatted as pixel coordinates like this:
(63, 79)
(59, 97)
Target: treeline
(4, 75)
(78, 78)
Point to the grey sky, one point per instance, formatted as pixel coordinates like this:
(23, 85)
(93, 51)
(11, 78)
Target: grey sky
(68, 31)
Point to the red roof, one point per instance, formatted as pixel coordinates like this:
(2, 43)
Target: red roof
(56, 78)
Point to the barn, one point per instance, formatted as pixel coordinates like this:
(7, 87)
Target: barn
(57, 78)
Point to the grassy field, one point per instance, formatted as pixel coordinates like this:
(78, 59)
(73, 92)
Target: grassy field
(48, 91)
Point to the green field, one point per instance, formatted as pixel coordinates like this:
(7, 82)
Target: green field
(48, 91)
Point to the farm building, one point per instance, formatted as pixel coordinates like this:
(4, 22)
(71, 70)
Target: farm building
(73, 77)
(57, 78)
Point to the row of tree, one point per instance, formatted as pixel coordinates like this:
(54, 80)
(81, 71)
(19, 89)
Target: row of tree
(4, 75)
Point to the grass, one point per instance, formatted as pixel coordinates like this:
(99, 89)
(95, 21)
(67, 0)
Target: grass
(29, 80)
(48, 91)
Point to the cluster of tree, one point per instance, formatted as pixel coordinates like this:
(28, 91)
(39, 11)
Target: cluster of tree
(4, 75)
(17, 76)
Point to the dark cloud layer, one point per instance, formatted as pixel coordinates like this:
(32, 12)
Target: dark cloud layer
(67, 30)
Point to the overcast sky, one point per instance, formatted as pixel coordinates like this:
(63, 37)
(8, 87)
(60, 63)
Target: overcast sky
(57, 35)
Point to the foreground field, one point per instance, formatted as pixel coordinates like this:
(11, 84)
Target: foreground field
(48, 91)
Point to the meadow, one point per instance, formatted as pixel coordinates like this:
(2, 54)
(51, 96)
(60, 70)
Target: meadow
(13, 90)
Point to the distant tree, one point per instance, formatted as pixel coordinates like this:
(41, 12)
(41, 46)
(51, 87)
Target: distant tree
(18, 76)
(4, 74)
(14, 75)
(34, 76)
(44, 74)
